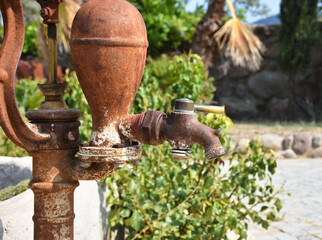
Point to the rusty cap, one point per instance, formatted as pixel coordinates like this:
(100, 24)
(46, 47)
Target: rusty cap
(184, 105)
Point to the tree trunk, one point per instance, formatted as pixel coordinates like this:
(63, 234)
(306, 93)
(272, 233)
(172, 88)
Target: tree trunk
(203, 42)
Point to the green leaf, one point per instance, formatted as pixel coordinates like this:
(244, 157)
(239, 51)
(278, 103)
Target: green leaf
(136, 220)
(114, 217)
(263, 208)
(265, 224)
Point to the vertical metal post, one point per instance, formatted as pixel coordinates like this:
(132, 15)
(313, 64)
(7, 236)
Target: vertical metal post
(52, 52)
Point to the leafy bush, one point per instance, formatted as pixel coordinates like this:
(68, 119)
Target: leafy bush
(10, 192)
(169, 26)
(30, 45)
(163, 199)
(168, 78)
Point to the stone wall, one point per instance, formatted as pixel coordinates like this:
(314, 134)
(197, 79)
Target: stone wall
(263, 94)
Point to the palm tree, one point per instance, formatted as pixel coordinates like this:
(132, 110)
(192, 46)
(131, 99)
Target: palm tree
(203, 41)
(233, 37)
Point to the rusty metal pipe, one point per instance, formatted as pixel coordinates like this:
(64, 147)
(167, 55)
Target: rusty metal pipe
(179, 129)
(96, 170)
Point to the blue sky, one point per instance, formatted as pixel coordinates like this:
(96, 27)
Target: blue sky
(273, 5)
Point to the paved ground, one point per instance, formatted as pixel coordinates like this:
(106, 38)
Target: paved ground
(301, 216)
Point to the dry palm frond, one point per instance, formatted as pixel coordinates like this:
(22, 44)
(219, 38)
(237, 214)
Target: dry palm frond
(239, 42)
(67, 12)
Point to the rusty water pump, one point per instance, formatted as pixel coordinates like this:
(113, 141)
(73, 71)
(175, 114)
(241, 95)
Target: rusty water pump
(109, 44)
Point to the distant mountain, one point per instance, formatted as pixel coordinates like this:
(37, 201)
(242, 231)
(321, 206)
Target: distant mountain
(270, 20)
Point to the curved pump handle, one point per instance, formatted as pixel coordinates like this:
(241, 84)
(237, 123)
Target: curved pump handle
(17, 129)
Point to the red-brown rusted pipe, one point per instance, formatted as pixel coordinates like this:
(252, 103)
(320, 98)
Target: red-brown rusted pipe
(179, 129)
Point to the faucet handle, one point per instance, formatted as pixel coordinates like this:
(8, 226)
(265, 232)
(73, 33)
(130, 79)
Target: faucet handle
(185, 105)
(210, 109)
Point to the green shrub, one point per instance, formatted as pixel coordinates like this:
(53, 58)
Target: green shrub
(169, 26)
(164, 199)
(168, 78)
(10, 192)
(30, 45)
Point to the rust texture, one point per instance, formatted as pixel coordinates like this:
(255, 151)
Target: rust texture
(181, 130)
(115, 35)
(50, 10)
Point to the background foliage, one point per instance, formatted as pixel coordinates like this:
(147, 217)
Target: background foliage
(169, 26)
(298, 34)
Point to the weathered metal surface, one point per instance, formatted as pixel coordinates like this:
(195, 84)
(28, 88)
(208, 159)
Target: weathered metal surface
(187, 106)
(114, 34)
(112, 155)
(180, 129)
(95, 171)
(50, 10)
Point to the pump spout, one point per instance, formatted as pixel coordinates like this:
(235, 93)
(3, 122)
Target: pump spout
(181, 129)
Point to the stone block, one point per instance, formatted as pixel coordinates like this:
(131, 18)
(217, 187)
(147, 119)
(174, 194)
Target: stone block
(317, 140)
(241, 90)
(271, 141)
(287, 142)
(316, 153)
(14, 170)
(289, 153)
(301, 143)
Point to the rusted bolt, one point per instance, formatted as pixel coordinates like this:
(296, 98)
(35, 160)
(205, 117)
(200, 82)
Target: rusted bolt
(46, 13)
(85, 165)
(70, 136)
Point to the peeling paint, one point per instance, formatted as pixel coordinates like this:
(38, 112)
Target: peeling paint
(125, 129)
(108, 134)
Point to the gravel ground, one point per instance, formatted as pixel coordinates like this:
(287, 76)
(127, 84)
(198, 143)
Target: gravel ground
(301, 216)
(252, 130)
